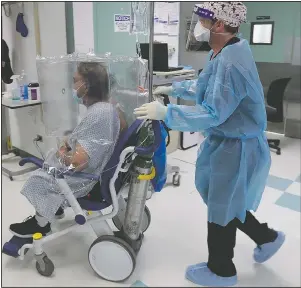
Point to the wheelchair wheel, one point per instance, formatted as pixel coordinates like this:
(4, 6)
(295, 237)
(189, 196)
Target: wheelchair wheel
(146, 220)
(112, 258)
(47, 267)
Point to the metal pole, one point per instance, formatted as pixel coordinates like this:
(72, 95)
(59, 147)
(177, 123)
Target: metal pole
(150, 57)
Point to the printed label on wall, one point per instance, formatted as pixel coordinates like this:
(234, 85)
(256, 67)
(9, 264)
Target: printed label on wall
(122, 23)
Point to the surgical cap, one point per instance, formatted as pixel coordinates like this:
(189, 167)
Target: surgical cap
(231, 13)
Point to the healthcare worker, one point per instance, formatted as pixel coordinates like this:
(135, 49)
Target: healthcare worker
(234, 161)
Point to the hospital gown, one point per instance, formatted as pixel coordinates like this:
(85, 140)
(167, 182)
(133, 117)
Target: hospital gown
(97, 133)
(234, 161)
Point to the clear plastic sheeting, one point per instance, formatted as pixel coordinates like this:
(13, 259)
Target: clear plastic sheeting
(84, 145)
(87, 149)
(128, 82)
(56, 79)
(139, 18)
(128, 79)
(110, 87)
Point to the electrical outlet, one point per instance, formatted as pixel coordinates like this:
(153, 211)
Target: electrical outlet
(39, 138)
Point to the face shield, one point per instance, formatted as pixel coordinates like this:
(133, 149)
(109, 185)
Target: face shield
(199, 29)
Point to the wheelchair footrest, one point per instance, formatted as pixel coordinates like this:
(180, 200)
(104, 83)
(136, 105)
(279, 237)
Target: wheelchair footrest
(12, 247)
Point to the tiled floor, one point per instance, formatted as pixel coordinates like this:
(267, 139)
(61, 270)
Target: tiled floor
(177, 235)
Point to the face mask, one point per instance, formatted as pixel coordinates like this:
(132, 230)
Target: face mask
(75, 96)
(201, 33)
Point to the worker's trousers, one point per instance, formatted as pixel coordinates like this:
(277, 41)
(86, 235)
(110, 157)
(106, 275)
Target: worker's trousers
(221, 242)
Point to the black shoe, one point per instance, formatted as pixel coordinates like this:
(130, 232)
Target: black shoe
(29, 227)
(60, 213)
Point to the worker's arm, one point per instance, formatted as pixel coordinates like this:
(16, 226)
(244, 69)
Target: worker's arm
(190, 89)
(185, 89)
(220, 101)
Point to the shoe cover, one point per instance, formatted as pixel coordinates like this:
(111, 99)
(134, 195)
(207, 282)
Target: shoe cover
(264, 252)
(194, 266)
(202, 275)
(20, 25)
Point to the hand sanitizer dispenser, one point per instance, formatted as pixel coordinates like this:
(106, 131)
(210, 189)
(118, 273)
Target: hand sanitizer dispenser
(15, 90)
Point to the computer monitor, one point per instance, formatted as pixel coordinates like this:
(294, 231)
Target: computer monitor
(160, 55)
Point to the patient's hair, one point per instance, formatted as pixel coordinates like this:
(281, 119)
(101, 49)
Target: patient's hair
(96, 78)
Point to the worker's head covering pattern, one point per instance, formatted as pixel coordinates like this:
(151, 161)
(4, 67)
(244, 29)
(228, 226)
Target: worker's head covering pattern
(231, 13)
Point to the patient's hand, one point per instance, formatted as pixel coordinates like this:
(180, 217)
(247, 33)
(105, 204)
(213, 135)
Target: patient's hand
(78, 157)
(63, 150)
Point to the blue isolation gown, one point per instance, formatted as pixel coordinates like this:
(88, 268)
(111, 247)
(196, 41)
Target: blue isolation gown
(234, 160)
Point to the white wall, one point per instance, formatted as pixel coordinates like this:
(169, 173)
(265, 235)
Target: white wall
(22, 50)
(83, 26)
(172, 39)
(52, 34)
(195, 59)
(25, 123)
(22, 55)
(52, 28)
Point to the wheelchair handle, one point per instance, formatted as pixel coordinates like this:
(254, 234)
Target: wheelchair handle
(157, 142)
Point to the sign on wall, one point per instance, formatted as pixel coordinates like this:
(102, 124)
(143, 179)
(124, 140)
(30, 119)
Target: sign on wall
(122, 23)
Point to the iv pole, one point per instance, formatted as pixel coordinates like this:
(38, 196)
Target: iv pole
(150, 57)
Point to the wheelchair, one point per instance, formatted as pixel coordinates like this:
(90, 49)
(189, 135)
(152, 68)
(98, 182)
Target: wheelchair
(110, 249)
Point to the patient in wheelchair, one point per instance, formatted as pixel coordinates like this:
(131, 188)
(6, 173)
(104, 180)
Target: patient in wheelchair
(88, 149)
